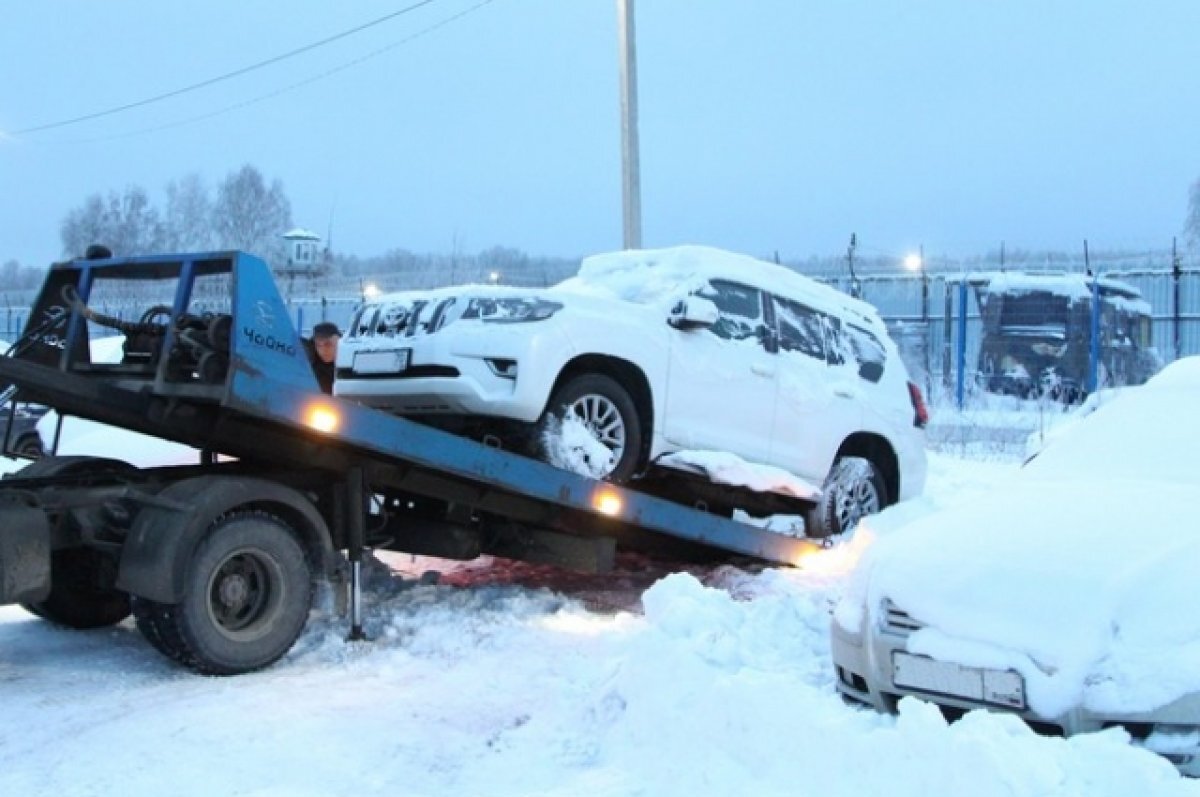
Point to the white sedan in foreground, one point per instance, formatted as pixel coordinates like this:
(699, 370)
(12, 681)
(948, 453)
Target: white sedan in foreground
(1067, 596)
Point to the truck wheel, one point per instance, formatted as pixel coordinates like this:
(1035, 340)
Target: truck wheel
(853, 490)
(29, 446)
(609, 418)
(246, 598)
(81, 594)
(81, 579)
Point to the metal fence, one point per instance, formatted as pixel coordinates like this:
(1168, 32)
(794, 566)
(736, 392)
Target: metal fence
(935, 319)
(937, 323)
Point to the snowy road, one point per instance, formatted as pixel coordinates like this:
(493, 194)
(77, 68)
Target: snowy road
(721, 686)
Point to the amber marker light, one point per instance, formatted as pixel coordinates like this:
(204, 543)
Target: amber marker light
(607, 502)
(322, 418)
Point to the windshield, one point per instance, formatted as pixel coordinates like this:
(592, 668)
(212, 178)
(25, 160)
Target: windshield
(1036, 309)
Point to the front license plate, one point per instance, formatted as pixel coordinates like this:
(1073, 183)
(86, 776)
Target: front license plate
(994, 687)
(381, 362)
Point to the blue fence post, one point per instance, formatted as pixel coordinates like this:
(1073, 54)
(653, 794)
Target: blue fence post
(1094, 348)
(960, 352)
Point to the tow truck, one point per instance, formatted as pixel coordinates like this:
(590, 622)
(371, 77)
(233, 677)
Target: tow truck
(218, 560)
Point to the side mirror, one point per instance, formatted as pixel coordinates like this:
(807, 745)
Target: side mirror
(694, 312)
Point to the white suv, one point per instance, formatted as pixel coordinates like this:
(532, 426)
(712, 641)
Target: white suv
(653, 352)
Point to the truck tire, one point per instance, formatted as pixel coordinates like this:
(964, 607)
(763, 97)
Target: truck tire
(29, 445)
(247, 595)
(610, 416)
(853, 490)
(82, 594)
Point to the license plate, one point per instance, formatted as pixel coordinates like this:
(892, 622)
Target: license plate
(381, 362)
(994, 687)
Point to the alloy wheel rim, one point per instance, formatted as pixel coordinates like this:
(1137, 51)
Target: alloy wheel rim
(854, 502)
(603, 421)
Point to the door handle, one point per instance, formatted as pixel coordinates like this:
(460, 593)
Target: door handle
(843, 392)
(762, 370)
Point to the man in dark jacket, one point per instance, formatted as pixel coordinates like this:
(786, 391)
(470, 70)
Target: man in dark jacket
(322, 352)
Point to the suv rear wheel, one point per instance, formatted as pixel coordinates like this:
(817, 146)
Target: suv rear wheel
(853, 490)
(591, 427)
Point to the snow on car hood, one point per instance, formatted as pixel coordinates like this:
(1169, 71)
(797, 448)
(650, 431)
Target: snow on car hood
(1079, 571)
(654, 279)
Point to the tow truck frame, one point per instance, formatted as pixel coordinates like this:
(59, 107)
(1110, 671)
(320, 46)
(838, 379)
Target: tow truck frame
(217, 560)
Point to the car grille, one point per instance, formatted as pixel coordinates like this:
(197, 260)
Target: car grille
(418, 317)
(897, 621)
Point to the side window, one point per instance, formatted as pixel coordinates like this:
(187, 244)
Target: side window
(800, 328)
(740, 308)
(866, 349)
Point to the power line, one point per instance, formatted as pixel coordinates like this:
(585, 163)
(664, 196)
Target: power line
(293, 86)
(227, 76)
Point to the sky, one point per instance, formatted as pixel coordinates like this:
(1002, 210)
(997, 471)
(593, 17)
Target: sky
(767, 126)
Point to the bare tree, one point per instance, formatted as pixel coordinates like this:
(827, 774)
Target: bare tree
(125, 222)
(187, 223)
(251, 216)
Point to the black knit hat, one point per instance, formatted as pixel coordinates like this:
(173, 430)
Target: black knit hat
(326, 329)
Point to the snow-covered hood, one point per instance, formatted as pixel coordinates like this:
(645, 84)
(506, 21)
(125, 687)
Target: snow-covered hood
(428, 311)
(1079, 572)
(629, 286)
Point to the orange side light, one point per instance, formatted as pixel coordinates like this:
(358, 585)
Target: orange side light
(607, 502)
(322, 418)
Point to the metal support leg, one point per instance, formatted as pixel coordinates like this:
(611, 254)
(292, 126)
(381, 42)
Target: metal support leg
(355, 506)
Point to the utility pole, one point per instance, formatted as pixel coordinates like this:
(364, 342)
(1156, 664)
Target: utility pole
(631, 188)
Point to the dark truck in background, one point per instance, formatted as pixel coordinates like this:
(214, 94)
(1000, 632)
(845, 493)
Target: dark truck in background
(1037, 334)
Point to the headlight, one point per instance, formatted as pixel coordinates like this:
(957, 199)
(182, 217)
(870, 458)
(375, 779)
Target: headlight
(511, 311)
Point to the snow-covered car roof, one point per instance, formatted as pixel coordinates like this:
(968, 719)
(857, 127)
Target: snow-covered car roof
(1075, 287)
(1079, 572)
(659, 277)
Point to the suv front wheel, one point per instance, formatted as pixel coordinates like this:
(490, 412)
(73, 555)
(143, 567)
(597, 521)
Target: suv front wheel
(591, 427)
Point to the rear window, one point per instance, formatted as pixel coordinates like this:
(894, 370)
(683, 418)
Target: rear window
(866, 348)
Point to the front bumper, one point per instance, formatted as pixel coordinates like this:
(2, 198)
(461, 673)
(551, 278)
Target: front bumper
(500, 371)
(863, 664)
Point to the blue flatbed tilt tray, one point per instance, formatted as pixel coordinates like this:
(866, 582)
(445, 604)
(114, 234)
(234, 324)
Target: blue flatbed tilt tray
(216, 363)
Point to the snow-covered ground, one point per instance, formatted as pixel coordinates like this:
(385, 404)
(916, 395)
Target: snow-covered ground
(721, 684)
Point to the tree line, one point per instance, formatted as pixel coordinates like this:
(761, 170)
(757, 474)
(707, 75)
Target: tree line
(245, 212)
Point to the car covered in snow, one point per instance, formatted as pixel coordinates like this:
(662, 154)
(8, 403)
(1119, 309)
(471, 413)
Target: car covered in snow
(648, 353)
(1037, 334)
(1066, 596)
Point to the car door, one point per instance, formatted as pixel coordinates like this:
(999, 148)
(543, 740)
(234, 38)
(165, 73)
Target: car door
(818, 403)
(721, 379)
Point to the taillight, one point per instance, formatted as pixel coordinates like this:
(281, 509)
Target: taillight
(920, 411)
